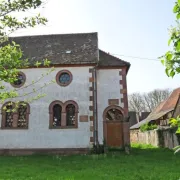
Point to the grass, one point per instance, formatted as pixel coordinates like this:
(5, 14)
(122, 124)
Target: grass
(144, 163)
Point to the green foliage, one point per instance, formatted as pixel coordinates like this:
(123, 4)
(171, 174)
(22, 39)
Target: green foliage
(11, 56)
(175, 122)
(12, 22)
(171, 59)
(143, 146)
(147, 127)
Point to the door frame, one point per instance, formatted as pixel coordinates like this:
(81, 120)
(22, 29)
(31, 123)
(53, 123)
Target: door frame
(105, 122)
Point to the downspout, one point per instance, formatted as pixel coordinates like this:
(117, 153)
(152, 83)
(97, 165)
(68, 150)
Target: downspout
(95, 106)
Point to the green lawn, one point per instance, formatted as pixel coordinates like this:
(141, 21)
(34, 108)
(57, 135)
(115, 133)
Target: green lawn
(141, 164)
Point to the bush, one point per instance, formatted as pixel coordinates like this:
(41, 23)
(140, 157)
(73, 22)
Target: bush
(97, 149)
(147, 127)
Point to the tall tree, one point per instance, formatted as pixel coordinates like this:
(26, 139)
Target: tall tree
(136, 102)
(11, 56)
(153, 98)
(147, 101)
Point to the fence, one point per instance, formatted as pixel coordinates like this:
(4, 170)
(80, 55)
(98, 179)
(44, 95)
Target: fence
(161, 138)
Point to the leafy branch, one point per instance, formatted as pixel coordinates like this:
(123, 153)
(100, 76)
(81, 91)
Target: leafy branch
(171, 59)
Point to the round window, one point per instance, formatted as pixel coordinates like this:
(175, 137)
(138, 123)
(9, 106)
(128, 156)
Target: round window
(21, 78)
(64, 78)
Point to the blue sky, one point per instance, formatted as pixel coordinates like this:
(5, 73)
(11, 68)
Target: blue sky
(125, 27)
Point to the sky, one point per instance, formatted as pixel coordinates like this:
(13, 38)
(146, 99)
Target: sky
(126, 28)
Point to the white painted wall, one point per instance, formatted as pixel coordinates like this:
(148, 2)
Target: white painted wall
(108, 87)
(39, 135)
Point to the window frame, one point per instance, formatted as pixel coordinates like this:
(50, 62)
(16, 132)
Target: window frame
(63, 115)
(24, 77)
(15, 117)
(51, 106)
(60, 73)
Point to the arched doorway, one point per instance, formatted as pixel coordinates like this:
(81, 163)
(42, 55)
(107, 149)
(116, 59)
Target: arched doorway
(113, 117)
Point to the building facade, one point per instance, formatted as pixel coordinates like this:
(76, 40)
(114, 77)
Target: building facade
(89, 89)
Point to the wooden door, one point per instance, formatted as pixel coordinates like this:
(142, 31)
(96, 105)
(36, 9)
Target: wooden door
(113, 133)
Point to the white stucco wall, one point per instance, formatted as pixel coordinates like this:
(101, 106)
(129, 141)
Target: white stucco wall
(39, 135)
(108, 87)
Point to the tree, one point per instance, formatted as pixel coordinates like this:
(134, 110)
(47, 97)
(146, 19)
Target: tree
(147, 101)
(153, 98)
(136, 102)
(11, 56)
(171, 59)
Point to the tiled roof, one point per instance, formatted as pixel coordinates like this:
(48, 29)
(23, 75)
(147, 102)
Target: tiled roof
(79, 48)
(106, 59)
(172, 100)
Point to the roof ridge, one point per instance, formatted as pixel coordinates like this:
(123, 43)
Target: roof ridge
(65, 34)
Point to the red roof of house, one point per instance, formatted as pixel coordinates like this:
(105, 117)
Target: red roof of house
(170, 103)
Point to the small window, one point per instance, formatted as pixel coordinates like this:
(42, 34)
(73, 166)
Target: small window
(21, 78)
(70, 115)
(57, 115)
(64, 78)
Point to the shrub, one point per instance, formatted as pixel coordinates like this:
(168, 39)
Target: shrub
(147, 127)
(176, 123)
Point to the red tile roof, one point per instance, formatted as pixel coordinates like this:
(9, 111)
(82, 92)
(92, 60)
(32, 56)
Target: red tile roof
(171, 101)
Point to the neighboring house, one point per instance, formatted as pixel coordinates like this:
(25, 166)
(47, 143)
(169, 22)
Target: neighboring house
(162, 113)
(86, 105)
(160, 116)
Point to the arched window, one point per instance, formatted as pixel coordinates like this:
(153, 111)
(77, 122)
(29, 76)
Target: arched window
(55, 114)
(113, 113)
(71, 114)
(15, 116)
(23, 115)
(7, 112)
(57, 109)
(63, 115)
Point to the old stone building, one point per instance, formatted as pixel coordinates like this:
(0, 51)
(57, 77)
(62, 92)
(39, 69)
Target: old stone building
(87, 103)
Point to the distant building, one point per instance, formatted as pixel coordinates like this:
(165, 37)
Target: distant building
(163, 112)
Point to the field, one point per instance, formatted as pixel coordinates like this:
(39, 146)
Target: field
(144, 163)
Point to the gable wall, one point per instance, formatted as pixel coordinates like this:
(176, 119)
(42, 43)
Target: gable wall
(38, 134)
(109, 90)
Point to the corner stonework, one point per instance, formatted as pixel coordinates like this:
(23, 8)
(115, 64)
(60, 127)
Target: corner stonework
(91, 108)
(124, 101)
(123, 90)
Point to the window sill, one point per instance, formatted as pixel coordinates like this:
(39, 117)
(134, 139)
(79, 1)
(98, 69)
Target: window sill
(64, 127)
(15, 128)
